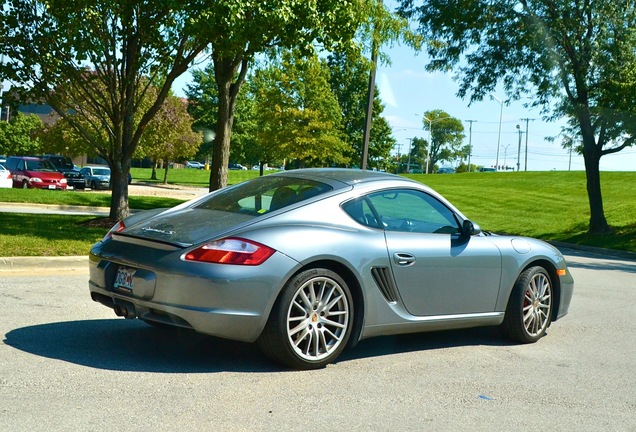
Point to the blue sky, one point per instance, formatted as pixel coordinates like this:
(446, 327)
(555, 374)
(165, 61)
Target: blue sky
(408, 91)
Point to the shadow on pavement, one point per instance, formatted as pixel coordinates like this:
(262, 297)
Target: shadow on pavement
(117, 344)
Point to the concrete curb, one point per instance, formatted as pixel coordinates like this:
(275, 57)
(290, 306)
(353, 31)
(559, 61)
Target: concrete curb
(613, 253)
(35, 263)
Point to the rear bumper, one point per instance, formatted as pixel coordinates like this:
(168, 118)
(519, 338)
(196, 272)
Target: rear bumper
(219, 300)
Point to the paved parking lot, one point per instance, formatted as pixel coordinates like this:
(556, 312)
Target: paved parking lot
(68, 364)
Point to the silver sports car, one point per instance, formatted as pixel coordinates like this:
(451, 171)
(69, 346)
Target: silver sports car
(310, 261)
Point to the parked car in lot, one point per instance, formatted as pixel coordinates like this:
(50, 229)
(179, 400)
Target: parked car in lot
(487, 169)
(65, 165)
(34, 172)
(309, 261)
(6, 180)
(235, 166)
(446, 170)
(96, 177)
(194, 164)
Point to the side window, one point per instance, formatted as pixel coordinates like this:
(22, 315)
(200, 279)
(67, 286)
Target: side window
(11, 164)
(359, 210)
(408, 210)
(21, 165)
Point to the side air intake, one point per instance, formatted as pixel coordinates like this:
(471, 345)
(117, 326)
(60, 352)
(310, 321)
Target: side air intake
(384, 280)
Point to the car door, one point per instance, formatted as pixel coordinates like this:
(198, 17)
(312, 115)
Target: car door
(86, 173)
(20, 176)
(437, 270)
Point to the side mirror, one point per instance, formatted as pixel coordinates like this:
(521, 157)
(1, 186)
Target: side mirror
(470, 229)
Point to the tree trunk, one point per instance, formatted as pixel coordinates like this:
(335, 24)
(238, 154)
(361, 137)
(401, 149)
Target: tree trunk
(154, 171)
(119, 197)
(165, 173)
(598, 223)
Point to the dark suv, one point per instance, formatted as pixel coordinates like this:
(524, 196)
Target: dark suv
(34, 172)
(64, 165)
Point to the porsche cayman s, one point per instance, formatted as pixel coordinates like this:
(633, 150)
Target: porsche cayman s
(308, 262)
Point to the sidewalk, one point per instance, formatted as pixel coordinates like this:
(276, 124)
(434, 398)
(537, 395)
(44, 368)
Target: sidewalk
(8, 207)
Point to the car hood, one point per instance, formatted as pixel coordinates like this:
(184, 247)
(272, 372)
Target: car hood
(187, 226)
(45, 175)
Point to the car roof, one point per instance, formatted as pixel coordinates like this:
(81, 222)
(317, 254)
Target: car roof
(347, 176)
(25, 157)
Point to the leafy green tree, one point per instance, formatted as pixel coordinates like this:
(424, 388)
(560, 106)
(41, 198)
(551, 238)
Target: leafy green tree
(578, 55)
(298, 117)
(93, 61)
(349, 81)
(418, 152)
(203, 107)
(169, 136)
(447, 135)
(241, 29)
(20, 135)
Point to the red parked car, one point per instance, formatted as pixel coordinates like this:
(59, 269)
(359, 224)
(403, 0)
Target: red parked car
(33, 172)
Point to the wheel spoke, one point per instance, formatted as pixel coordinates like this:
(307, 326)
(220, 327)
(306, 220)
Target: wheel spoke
(536, 306)
(317, 318)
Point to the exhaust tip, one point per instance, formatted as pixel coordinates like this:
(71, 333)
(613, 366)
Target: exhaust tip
(125, 311)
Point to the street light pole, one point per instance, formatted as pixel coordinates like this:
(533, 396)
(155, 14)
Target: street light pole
(500, 102)
(430, 136)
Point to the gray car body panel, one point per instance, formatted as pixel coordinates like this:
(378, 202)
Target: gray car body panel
(235, 301)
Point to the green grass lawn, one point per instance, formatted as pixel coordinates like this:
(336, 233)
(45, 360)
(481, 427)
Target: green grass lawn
(190, 176)
(547, 205)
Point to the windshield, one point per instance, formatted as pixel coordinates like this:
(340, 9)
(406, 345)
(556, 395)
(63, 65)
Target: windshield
(263, 194)
(39, 165)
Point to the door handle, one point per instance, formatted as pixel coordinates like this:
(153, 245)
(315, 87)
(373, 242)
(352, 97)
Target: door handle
(403, 259)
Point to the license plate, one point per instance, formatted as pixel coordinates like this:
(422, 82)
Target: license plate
(51, 186)
(124, 280)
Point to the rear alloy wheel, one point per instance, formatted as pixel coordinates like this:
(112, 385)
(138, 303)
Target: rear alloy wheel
(311, 321)
(529, 311)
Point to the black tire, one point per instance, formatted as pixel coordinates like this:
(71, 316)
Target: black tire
(94, 185)
(25, 185)
(529, 310)
(311, 321)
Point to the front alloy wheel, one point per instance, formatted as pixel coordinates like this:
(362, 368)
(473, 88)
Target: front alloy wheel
(529, 311)
(311, 322)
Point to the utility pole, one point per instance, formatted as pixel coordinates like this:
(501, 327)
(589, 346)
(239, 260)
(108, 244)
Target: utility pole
(526, 159)
(519, 149)
(408, 163)
(399, 147)
(470, 140)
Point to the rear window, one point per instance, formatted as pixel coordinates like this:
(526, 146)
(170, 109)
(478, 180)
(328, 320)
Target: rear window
(263, 195)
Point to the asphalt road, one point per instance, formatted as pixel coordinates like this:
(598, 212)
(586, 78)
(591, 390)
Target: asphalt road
(68, 364)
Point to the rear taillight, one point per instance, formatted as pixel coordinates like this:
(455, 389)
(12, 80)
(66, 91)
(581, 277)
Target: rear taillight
(231, 251)
(116, 228)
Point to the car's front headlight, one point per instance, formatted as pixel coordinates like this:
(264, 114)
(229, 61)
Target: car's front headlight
(35, 180)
